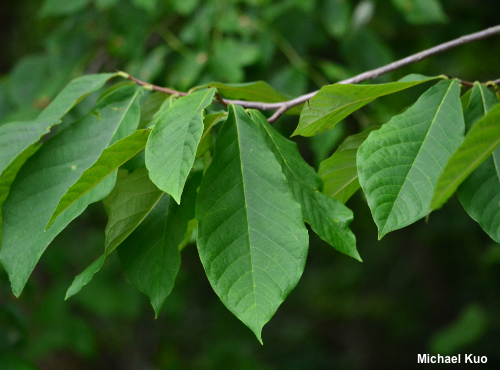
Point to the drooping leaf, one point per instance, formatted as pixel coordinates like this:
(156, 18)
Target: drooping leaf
(251, 237)
(171, 148)
(110, 159)
(15, 137)
(480, 192)
(44, 179)
(150, 256)
(328, 217)
(84, 278)
(339, 172)
(399, 164)
(334, 102)
(252, 91)
(482, 139)
(135, 198)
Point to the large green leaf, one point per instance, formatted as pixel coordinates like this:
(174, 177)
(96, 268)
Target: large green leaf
(46, 177)
(135, 198)
(251, 237)
(339, 172)
(171, 148)
(252, 91)
(399, 164)
(150, 255)
(421, 11)
(9, 175)
(206, 140)
(16, 137)
(480, 192)
(328, 217)
(480, 142)
(334, 102)
(110, 159)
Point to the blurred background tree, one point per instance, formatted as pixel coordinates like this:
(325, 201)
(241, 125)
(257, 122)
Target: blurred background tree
(427, 288)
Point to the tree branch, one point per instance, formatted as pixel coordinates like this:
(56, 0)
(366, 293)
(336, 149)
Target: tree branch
(282, 107)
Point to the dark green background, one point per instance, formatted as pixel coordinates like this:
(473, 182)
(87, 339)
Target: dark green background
(430, 288)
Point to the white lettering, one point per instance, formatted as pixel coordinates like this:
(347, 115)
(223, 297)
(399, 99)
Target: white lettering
(468, 359)
(454, 359)
(484, 359)
(423, 359)
(433, 359)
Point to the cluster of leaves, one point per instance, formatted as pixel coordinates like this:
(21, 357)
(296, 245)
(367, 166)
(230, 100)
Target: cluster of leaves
(173, 169)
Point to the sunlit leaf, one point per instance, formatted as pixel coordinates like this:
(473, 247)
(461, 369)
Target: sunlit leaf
(46, 177)
(335, 102)
(171, 148)
(399, 164)
(110, 159)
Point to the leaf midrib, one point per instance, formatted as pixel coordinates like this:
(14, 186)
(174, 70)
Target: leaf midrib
(416, 156)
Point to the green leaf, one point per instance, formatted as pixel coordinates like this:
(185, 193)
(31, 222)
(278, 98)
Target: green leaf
(135, 198)
(480, 192)
(333, 103)
(9, 175)
(478, 145)
(46, 177)
(150, 256)
(84, 278)
(62, 7)
(339, 172)
(110, 159)
(399, 164)
(147, 5)
(171, 148)
(206, 140)
(251, 237)
(328, 217)
(480, 102)
(421, 11)
(16, 137)
(150, 108)
(252, 91)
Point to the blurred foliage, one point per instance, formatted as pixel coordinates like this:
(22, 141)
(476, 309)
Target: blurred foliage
(430, 287)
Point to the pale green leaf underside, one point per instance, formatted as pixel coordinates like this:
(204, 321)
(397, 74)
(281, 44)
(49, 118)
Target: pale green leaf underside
(328, 217)
(251, 237)
(84, 278)
(110, 159)
(334, 102)
(171, 148)
(135, 198)
(339, 172)
(481, 140)
(46, 177)
(399, 164)
(15, 137)
(150, 256)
